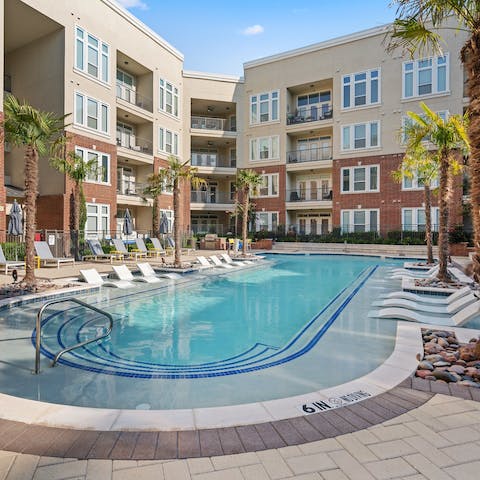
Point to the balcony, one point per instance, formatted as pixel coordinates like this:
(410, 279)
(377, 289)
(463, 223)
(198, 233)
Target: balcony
(134, 98)
(201, 196)
(134, 143)
(133, 189)
(308, 198)
(131, 193)
(202, 159)
(313, 113)
(310, 155)
(210, 123)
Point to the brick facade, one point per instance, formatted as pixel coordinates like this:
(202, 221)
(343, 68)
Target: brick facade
(3, 212)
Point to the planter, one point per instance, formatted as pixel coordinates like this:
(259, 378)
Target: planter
(459, 249)
(263, 244)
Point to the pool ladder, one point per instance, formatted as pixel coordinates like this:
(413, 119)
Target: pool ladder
(38, 335)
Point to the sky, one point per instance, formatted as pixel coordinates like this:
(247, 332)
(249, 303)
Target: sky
(219, 36)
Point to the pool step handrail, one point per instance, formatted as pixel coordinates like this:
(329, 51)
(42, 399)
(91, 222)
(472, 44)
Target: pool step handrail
(38, 335)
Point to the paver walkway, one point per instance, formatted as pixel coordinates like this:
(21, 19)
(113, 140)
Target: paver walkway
(438, 440)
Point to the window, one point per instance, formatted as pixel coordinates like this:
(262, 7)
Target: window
(413, 219)
(266, 221)
(360, 89)
(425, 76)
(360, 179)
(233, 157)
(91, 55)
(98, 219)
(407, 121)
(416, 184)
(167, 141)
(361, 136)
(168, 98)
(314, 106)
(264, 148)
(359, 221)
(269, 186)
(170, 219)
(101, 174)
(264, 107)
(91, 113)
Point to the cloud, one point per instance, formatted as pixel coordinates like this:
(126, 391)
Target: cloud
(253, 30)
(133, 4)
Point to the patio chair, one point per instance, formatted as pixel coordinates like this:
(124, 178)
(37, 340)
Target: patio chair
(141, 247)
(9, 263)
(406, 271)
(425, 275)
(121, 249)
(45, 255)
(218, 263)
(92, 277)
(435, 300)
(228, 260)
(97, 251)
(124, 274)
(147, 271)
(157, 246)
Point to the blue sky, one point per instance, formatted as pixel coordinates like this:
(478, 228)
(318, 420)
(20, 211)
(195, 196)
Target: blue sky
(218, 36)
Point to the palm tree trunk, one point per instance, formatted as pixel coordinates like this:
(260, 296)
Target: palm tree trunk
(31, 189)
(76, 220)
(246, 198)
(428, 222)
(176, 223)
(155, 219)
(443, 220)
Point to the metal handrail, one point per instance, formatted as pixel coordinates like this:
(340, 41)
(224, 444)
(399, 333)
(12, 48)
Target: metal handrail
(38, 338)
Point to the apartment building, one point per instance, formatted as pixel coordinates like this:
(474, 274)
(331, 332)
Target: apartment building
(320, 123)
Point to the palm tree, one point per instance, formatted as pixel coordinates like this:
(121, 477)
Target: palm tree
(423, 165)
(155, 187)
(416, 29)
(447, 136)
(172, 177)
(38, 133)
(247, 182)
(78, 170)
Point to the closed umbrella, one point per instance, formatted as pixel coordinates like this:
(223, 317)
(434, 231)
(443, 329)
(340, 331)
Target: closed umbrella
(163, 227)
(15, 226)
(127, 223)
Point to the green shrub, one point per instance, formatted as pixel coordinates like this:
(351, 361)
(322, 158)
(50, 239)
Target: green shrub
(13, 250)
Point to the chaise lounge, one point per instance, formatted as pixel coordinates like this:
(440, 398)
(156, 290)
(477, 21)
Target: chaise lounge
(45, 255)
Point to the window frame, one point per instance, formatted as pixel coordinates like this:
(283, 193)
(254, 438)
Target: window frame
(351, 214)
(368, 179)
(85, 152)
(163, 92)
(103, 74)
(270, 223)
(257, 151)
(415, 224)
(257, 102)
(269, 186)
(368, 134)
(99, 217)
(101, 118)
(368, 87)
(162, 141)
(415, 184)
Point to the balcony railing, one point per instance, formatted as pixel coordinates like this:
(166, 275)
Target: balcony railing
(210, 123)
(314, 113)
(134, 98)
(200, 196)
(310, 155)
(132, 142)
(201, 159)
(309, 195)
(133, 189)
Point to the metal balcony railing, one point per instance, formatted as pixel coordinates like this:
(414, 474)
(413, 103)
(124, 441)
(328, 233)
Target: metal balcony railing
(309, 195)
(131, 188)
(313, 113)
(132, 142)
(202, 159)
(310, 155)
(209, 123)
(134, 98)
(200, 196)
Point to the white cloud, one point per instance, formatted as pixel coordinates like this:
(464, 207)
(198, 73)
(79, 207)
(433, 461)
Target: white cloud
(253, 30)
(133, 4)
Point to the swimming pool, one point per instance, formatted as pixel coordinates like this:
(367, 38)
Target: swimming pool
(293, 326)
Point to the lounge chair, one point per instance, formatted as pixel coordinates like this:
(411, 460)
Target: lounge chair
(204, 263)
(92, 277)
(432, 300)
(157, 246)
(171, 246)
(123, 273)
(121, 249)
(423, 275)
(148, 272)
(45, 255)
(410, 271)
(218, 263)
(458, 319)
(450, 308)
(98, 253)
(228, 259)
(141, 247)
(9, 263)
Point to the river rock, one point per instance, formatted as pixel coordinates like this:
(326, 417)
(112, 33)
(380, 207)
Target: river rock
(461, 362)
(457, 369)
(442, 342)
(441, 333)
(442, 375)
(441, 364)
(451, 340)
(433, 358)
(469, 383)
(433, 348)
(423, 373)
(425, 365)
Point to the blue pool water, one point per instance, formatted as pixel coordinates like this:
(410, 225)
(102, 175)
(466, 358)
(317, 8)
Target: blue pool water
(293, 326)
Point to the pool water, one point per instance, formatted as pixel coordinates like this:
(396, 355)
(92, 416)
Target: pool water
(293, 326)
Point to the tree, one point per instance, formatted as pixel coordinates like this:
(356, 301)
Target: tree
(247, 182)
(155, 187)
(78, 170)
(172, 177)
(416, 29)
(423, 165)
(446, 136)
(38, 133)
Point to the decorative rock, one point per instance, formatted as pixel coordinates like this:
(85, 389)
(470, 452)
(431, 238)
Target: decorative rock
(433, 348)
(457, 369)
(423, 373)
(469, 383)
(442, 342)
(425, 365)
(441, 333)
(442, 375)
(461, 362)
(451, 340)
(441, 364)
(433, 358)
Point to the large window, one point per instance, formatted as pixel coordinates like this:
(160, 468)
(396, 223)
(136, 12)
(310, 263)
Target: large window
(264, 148)
(425, 76)
(168, 98)
(91, 55)
(360, 220)
(264, 107)
(98, 219)
(407, 122)
(269, 186)
(413, 219)
(414, 183)
(101, 172)
(170, 219)
(266, 221)
(360, 179)
(361, 89)
(361, 136)
(167, 141)
(91, 113)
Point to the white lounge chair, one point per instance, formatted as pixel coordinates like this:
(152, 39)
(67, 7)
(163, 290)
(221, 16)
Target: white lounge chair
(157, 246)
(450, 308)
(458, 319)
(205, 264)
(148, 272)
(45, 255)
(410, 271)
(123, 273)
(120, 248)
(432, 300)
(218, 263)
(423, 275)
(228, 259)
(9, 263)
(141, 247)
(92, 277)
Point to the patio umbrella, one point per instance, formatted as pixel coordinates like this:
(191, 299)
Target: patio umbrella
(128, 223)
(163, 227)
(15, 226)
